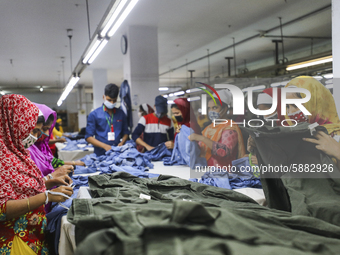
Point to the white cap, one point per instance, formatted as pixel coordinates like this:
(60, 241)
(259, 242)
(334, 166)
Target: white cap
(264, 98)
(225, 96)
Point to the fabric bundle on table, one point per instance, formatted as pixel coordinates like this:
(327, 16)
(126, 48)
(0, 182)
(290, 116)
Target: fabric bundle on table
(119, 156)
(80, 144)
(168, 215)
(185, 152)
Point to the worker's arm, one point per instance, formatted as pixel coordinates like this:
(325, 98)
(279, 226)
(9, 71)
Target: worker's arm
(97, 143)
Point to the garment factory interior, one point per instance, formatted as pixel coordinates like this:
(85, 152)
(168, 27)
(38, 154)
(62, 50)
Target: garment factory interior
(170, 127)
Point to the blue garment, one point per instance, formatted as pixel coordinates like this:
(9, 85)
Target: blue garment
(231, 180)
(97, 126)
(159, 153)
(125, 102)
(126, 155)
(57, 212)
(72, 145)
(186, 152)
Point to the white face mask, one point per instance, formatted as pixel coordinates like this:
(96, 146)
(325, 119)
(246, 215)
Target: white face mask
(109, 105)
(29, 141)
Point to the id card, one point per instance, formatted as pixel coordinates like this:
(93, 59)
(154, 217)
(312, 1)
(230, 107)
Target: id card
(111, 136)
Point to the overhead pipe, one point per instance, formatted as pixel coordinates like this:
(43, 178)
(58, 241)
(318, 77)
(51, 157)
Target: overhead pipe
(254, 36)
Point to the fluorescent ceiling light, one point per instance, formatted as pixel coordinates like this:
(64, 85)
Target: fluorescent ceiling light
(329, 81)
(193, 90)
(163, 88)
(171, 94)
(73, 81)
(314, 62)
(98, 50)
(165, 96)
(113, 17)
(191, 99)
(122, 18)
(260, 87)
(41, 89)
(329, 86)
(170, 101)
(278, 84)
(318, 77)
(2, 92)
(179, 93)
(328, 76)
(91, 51)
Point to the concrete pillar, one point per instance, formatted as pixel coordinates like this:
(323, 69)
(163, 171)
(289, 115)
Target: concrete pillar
(336, 52)
(141, 66)
(99, 83)
(81, 101)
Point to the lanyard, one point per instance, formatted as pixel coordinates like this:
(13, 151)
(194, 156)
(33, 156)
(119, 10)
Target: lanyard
(108, 122)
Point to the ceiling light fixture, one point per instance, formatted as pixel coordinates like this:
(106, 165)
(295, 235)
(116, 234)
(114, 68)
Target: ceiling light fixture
(94, 45)
(329, 86)
(97, 51)
(179, 93)
(328, 76)
(163, 88)
(191, 99)
(260, 87)
(2, 92)
(122, 17)
(113, 17)
(193, 90)
(170, 102)
(41, 89)
(317, 61)
(72, 82)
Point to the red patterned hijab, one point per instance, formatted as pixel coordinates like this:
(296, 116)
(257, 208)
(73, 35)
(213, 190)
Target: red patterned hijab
(19, 176)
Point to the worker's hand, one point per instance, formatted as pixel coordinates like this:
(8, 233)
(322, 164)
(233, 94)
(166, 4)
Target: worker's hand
(251, 145)
(178, 129)
(121, 144)
(196, 137)
(149, 148)
(62, 170)
(58, 198)
(62, 180)
(62, 140)
(326, 144)
(169, 144)
(254, 160)
(79, 163)
(107, 147)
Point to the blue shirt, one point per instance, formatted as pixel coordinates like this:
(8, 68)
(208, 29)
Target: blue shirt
(98, 127)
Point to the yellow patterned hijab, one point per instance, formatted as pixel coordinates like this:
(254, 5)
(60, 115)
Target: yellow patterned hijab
(321, 105)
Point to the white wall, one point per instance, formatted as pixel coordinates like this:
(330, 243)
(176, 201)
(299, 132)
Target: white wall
(336, 51)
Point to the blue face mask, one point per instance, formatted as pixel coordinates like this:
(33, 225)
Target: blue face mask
(214, 115)
(109, 105)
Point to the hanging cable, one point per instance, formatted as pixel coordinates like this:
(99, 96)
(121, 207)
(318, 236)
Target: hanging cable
(283, 48)
(234, 56)
(69, 34)
(88, 18)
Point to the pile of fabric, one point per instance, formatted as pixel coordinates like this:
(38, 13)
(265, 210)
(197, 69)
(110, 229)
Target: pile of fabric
(168, 215)
(80, 144)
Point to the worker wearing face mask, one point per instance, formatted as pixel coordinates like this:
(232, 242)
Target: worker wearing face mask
(157, 127)
(221, 142)
(265, 101)
(107, 125)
